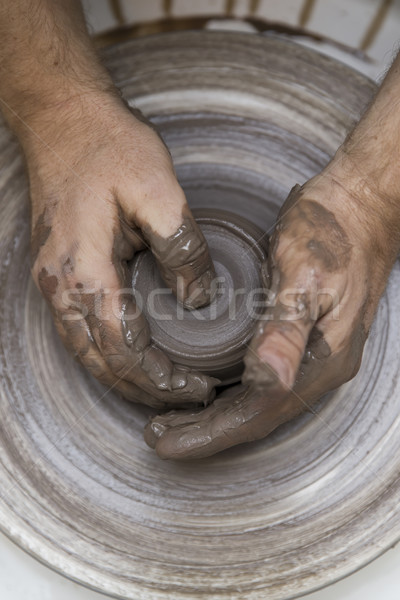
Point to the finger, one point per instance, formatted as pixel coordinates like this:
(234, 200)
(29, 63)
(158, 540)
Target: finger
(157, 205)
(122, 336)
(184, 261)
(177, 418)
(227, 422)
(277, 348)
(323, 369)
(77, 338)
(251, 415)
(298, 302)
(308, 247)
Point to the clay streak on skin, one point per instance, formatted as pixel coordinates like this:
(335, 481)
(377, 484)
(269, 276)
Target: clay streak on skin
(327, 241)
(47, 283)
(40, 235)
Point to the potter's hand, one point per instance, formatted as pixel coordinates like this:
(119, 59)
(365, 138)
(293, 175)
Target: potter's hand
(102, 187)
(331, 253)
(105, 189)
(327, 270)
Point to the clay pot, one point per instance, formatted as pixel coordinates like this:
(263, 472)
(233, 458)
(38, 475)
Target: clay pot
(212, 339)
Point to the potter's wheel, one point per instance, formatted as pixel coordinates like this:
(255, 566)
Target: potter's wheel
(245, 118)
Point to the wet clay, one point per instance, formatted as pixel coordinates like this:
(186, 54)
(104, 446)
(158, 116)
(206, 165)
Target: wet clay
(328, 242)
(245, 117)
(97, 317)
(48, 284)
(212, 339)
(306, 229)
(308, 249)
(184, 262)
(40, 235)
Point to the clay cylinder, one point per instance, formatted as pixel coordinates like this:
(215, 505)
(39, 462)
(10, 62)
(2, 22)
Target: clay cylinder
(212, 339)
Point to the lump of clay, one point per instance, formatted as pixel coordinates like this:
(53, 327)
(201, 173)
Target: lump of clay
(212, 339)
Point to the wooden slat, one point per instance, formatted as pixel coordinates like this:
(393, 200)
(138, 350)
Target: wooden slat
(306, 11)
(116, 9)
(254, 6)
(229, 7)
(167, 7)
(375, 24)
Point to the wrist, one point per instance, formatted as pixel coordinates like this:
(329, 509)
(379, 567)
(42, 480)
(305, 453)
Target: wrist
(362, 205)
(40, 108)
(60, 120)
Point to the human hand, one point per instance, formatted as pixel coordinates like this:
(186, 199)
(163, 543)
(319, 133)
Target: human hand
(102, 188)
(328, 265)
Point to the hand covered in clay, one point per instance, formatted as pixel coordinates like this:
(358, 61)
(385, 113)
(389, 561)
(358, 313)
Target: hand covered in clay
(326, 271)
(104, 189)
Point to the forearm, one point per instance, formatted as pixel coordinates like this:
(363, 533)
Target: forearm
(369, 161)
(46, 61)
(374, 145)
(361, 184)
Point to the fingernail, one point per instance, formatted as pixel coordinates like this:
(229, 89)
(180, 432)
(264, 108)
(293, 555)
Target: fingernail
(152, 433)
(201, 291)
(157, 429)
(157, 367)
(213, 382)
(263, 371)
(277, 366)
(178, 380)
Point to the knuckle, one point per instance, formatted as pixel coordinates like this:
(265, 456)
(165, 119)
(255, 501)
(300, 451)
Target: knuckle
(118, 364)
(159, 183)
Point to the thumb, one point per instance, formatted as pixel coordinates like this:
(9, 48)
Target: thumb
(184, 261)
(278, 346)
